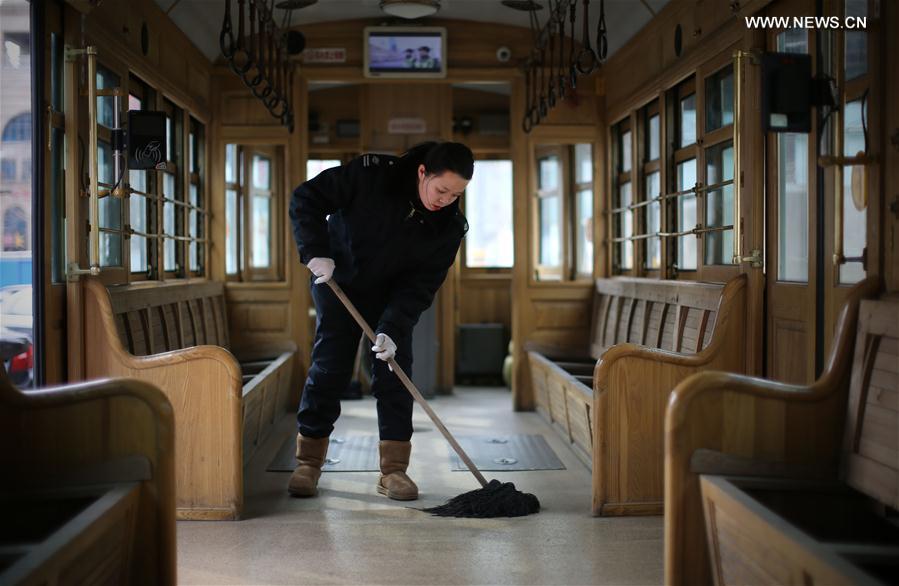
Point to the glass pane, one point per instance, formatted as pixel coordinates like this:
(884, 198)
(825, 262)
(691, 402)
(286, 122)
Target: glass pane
(550, 231)
(793, 41)
(584, 229)
(653, 138)
(261, 172)
(168, 186)
(719, 99)
(625, 227)
(316, 166)
(583, 163)
(194, 196)
(134, 103)
(137, 180)
(138, 212)
(111, 213)
(626, 152)
(686, 216)
(231, 163)
(231, 239)
(191, 148)
(168, 227)
(110, 250)
(488, 207)
(192, 224)
(194, 255)
(105, 173)
(548, 173)
(856, 58)
(138, 254)
(687, 121)
(854, 219)
(16, 317)
(792, 207)
(262, 230)
(719, 209)
(653, 221)
(105, 104)
(170, 152)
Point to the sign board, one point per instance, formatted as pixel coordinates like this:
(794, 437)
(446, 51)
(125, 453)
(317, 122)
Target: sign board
(321, 55)
(407, 126)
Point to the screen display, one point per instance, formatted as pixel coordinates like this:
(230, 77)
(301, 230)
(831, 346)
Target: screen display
(405, 52)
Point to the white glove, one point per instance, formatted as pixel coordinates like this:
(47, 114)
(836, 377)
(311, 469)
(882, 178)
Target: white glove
(385, 348)
(323, 268)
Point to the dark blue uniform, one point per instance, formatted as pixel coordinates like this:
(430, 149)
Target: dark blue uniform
(391, 255)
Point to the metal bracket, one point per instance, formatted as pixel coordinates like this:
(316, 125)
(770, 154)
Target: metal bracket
(754, 259)
(74, 272)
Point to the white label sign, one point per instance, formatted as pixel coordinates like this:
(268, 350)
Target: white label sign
(407, 126)
(335, 55)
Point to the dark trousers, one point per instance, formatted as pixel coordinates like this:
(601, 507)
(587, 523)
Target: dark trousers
(333, 355)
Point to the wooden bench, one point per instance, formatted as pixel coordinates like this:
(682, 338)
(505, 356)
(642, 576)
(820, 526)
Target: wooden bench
(646, 336)
(88, 492)
(771, 462)
(176, 337)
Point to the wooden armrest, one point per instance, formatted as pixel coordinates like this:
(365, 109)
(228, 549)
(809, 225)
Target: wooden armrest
(216, 355)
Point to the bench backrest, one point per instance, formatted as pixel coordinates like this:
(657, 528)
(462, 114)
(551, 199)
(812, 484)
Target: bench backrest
(870, 461)
(670, 315)
(151, 320)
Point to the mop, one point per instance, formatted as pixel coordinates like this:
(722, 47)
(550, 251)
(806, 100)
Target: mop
(494, 498)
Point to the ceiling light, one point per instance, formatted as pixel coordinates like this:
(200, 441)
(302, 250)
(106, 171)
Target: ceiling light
(410, 8)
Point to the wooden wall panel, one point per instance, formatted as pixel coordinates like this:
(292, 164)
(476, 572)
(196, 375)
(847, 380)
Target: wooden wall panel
(383, 102)
(485, 300)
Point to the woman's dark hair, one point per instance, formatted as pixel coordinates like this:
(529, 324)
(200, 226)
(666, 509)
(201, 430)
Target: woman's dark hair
(439, 157)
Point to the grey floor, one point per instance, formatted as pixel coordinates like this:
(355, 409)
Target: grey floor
(352, 535)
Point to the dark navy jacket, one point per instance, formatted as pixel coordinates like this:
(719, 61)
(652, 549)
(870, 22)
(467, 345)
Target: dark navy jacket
(381, 238)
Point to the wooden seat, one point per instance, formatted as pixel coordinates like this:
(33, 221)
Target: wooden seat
(646, 336)
(88, 492)
(176, 336)
(772, 463)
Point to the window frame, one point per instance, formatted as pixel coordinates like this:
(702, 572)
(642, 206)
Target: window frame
(562, 145)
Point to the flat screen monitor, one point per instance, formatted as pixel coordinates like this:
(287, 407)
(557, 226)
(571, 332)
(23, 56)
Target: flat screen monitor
(405, 51)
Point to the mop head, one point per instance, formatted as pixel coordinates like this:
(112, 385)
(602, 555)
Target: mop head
(497, 499)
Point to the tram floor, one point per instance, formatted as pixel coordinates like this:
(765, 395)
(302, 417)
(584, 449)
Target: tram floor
(350, 534)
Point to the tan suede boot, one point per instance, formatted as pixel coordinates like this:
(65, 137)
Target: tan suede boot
(394, 461)
(311, 454)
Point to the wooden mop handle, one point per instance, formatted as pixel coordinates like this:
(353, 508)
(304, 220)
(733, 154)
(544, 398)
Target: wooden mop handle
(408, 383)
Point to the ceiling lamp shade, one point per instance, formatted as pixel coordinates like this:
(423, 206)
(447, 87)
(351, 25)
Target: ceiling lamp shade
(410, 8)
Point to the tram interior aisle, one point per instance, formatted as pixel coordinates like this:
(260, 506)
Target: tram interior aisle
(351, 535)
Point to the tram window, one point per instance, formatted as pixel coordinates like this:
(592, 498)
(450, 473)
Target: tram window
(253, 202)
(196, 217)
(687, 124)
(719, 99)
(583, 210)
(650, 219)
(316, 166)
(622, 199)
(488, 206)
(792, 185)
(854, 210)
(719, 204)
(106, 79)
(232, 188)
(686, 216)
(261, 212)
(549, 215)
(653, 221)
